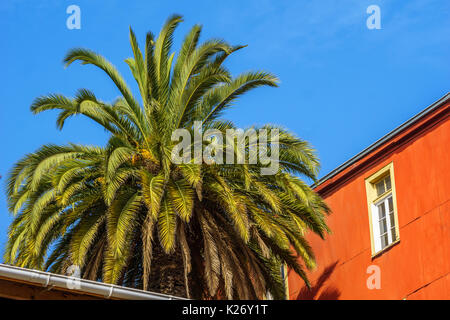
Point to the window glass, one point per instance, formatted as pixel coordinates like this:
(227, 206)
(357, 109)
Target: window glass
(392, 219)
(394, 235)
(384, 240)
(391, 205)
(380, 187)
(381, 210)
(383, 226)
(388, 183)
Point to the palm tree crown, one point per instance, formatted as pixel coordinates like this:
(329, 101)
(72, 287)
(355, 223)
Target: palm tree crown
(126, 214)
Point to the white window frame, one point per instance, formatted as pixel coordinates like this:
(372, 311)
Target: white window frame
(378, 242)
(373, 200)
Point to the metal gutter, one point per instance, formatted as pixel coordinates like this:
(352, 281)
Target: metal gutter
(376, 144)
(108, 291)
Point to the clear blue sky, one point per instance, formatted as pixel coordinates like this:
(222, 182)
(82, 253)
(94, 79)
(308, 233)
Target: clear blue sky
(343, 86)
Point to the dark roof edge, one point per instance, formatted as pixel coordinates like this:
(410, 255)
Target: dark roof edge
(385, 138)
(87, 287)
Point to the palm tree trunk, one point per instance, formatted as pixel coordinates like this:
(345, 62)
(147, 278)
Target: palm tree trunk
(167, 275)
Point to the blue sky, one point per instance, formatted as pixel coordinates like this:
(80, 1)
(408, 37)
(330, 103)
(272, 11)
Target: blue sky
(343, 86)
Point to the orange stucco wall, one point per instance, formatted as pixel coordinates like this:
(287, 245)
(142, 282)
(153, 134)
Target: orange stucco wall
(418, 267)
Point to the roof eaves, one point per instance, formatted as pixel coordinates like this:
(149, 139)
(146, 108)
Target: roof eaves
(84, 286)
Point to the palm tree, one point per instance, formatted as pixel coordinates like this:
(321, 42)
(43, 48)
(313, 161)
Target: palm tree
(126, 214)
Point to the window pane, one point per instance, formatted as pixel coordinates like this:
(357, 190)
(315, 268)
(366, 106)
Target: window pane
(392, 219)
(383, 226)
(384, 240)
(388, 182)
(390, 204)
(381, 211)
(380, 187)
(393, 233)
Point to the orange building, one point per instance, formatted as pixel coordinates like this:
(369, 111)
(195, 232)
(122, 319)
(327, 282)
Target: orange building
(390, 218)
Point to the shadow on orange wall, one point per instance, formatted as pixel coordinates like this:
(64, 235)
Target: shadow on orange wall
(320, 291)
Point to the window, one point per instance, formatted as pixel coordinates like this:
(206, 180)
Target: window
(380, 189)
